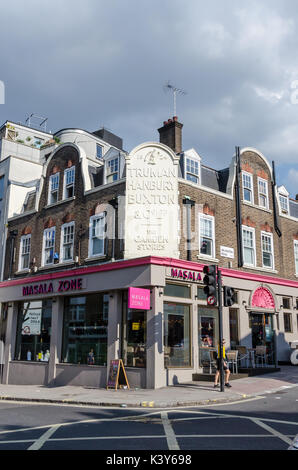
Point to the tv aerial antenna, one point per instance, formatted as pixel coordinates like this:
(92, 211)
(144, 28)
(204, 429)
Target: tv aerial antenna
(174, 90)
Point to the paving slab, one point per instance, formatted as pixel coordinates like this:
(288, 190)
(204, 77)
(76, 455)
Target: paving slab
(186, 394)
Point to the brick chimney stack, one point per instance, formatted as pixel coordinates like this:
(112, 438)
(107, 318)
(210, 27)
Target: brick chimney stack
(171, 134)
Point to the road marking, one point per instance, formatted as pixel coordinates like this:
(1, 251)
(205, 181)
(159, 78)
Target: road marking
(40, 442)
(170, 435)
(272, 431)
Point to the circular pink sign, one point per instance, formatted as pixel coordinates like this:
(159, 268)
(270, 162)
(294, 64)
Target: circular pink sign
(263, 298)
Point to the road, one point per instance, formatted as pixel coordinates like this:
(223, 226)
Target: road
(261, 423)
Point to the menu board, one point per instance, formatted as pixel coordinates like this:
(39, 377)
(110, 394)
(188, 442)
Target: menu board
(117, 375)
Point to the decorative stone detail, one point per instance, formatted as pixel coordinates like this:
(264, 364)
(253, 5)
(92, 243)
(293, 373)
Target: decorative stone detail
(262, 298)
(246, 167)
(266, 228)
(248, 222)
(207, 210)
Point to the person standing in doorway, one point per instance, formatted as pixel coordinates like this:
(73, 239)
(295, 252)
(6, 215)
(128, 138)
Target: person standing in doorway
(225, 366)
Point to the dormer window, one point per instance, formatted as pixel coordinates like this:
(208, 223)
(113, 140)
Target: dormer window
(69, 181)
(284, 203)
(192, 170)
(112, 170)
(99, 151)
(54, 188)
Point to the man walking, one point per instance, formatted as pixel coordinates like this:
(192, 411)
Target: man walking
(225, 366)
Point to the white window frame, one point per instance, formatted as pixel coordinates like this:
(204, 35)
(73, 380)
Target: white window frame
(296, 256)
(284, 207)
(98, 146)
(64, 242)
(25, 249)
(44, 247)
(55, 190)
(101, 216)
(262, 193)
(251, 230)
(269, 236)
(245, 174)
(192, 174)
(111, 173)
(66, 185)
(212, 237)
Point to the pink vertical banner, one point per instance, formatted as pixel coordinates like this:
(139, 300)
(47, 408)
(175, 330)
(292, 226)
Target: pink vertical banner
(139, 298)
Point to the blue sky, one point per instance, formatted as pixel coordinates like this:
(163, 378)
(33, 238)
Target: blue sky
(105, 62)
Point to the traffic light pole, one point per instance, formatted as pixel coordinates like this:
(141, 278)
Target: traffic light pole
(219, 290)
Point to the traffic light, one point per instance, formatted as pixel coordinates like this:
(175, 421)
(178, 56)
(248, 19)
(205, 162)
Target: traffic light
(210, 281)
(229, 296)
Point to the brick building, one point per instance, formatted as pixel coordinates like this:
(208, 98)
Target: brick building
(94, 229)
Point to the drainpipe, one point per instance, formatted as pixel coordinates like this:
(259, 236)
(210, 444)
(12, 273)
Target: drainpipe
(273, 185)
(114, 204)
(238, 209)
(189, 204)
(12, 235)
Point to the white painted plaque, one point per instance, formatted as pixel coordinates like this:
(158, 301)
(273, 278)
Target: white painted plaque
(226, 252)
(151, 202)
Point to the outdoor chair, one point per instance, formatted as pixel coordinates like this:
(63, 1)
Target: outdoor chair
(260, 355)
(243, 355)
(232, 357)
(212, 360)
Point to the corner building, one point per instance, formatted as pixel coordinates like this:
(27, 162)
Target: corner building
(97, 227)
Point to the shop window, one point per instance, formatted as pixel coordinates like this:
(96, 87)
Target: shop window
(69, 181)
(25, 247)
(53, 188)
(234, 327)
(48, 246)
(201, 294)
(134, 336)
(249, 246)
(288, 322)
(207, 235)
(177, 290)
(176, 335)
(286, 302)
(85, 327)
(97, 232)
(207, 333)
(67, 241)
(34, 331)
(247, 185)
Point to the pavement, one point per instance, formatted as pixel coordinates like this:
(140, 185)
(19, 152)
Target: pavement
(184, 394)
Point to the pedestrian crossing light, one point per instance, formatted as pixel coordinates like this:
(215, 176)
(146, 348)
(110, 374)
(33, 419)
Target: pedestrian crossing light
(229, 296)
(210, 281)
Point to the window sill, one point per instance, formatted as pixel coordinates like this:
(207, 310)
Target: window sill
(60, 202)
(95, 257)
(258, 268)
(250, 204)
(23, 271)
(56, 265)
(207, 258)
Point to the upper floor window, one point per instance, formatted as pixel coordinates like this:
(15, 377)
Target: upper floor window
(296, 255)
(67, 242)
(247, 184)
(69, 181)
(284, 203)
(97, 234)
(112, 170)
(54, 188)
(207, 235)
(192, 170)
(267, 250)
(48, 246)
(99, 151)
(263, 193)
(249, 246)
(1, 187)
(25, 247)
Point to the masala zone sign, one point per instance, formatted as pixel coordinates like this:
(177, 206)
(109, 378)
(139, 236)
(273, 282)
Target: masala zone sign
(53, 287)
